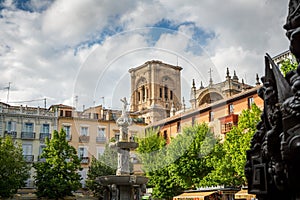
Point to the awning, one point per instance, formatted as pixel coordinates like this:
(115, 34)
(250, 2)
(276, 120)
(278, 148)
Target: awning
(243, 194)
(194, 195)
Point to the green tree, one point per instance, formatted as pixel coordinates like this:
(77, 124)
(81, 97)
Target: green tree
(105, 165)
(229, 170)
(151, 152)
(13, 168)
(189, 152)
(287, 65)
(59, 175)
(181, 164)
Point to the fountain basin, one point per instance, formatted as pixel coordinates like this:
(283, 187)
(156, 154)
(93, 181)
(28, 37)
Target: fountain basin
(123, 180)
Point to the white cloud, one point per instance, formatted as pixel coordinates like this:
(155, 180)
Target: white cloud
(52, 53)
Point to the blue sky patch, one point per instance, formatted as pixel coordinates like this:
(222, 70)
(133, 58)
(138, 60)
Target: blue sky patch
(27, 5)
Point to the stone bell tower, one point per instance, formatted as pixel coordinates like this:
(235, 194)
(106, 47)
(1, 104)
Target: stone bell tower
(155, 89)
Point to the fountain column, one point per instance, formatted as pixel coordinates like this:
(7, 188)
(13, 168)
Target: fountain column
(123, 186)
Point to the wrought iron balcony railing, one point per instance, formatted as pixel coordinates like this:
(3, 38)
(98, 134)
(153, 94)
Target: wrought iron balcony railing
(12, 134)
(28, 135)
(100, 139)
(44, 135)
(84, 138)
(41, 159)
(84, 160)
(28, 158)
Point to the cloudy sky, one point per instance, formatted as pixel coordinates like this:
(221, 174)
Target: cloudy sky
(82, 49)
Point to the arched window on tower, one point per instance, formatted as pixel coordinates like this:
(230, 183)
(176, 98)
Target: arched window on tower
(171, 94)
(143, 93)
(166, 92)
(160, 92)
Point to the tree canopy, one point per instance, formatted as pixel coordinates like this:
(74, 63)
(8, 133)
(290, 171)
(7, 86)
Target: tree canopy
(105, 165)
(58, 176)
(13, 169)
(195, 158)
(287, 65)
(179, 165)
(229, 170)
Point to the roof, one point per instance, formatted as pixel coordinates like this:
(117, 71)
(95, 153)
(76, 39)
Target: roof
(202, 109)
(198, 195)
(243, 194)
(155, 62)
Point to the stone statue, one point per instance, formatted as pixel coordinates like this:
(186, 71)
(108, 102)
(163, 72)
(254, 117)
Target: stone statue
(125, 104)
(273, 162)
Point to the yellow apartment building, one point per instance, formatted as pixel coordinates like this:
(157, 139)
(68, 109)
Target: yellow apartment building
(90, 130)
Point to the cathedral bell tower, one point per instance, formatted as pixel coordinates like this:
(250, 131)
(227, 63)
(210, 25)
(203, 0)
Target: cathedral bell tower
(155, 87)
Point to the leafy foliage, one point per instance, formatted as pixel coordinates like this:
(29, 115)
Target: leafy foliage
(287, 66)
(181, 164)
(105, 165)
(13, 168)
(229, 170)
(58, 176)
(190, 152)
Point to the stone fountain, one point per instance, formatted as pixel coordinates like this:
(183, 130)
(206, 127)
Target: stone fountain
(123, 185)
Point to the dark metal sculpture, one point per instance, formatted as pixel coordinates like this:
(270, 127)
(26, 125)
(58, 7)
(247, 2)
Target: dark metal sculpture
(273, 162)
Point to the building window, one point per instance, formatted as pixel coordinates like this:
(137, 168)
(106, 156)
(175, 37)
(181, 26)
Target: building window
(11, 126)
(27, 152)
(101, 132)
(139, 96)
(165, 135)
(211, 116)
(27, 149)
(178, 127)
(84, 130)
(143, 93)
(171, 95)
(82, 152)
(160, 92)
(67, 129)
(95, 116)
(41, 149)
(101, 135)
(28, 127)
(68, 113)
(61, 113)
(100, 151)
(147, 93)
(166, 92)
(250, 102)
(230, 109)
(45, 128)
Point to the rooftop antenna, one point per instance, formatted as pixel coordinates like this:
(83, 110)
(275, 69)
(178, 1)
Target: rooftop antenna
(45, 103)
(102, 100)
(8, 88)
(210, 76)
(76, 101)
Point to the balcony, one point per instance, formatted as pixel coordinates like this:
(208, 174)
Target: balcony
(101, 139)
(84, 138)
(28, 135)
(12, 134)
(84, 160)
(228, 122)
(41, 159)
(44, 135)
(28, 158)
